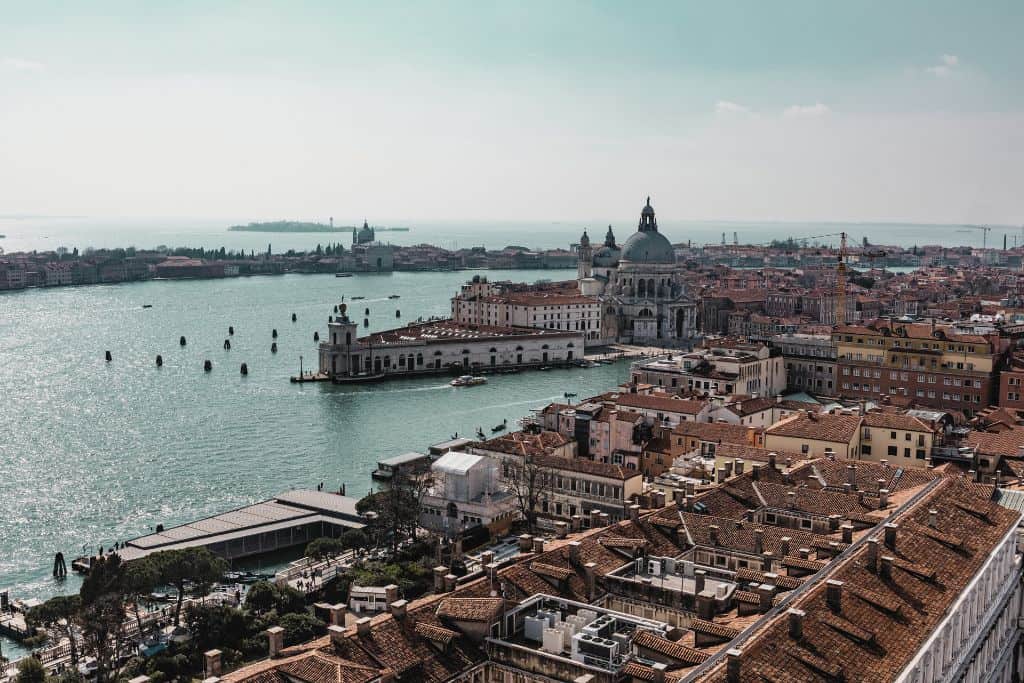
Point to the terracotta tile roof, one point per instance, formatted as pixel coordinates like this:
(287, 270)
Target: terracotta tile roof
(681, 653)
(559, 573)
(883, 621)
(818, 427)
(1006, 443)
(470, 609)
(889, 420)
(730, 451)
(662, 403)
(713, 629)
(717, 432)
(592, 467)
(523, 443)
(438, 634)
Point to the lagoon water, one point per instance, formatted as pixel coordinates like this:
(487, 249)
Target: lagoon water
(94, 452)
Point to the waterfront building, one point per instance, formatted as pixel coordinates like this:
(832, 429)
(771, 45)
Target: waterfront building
(367, 254)
(466, 491)
(721, 369)
(440, 346)
(573, 485)
(643, 295)
(810, 361)
(927, 364)
(480, 302)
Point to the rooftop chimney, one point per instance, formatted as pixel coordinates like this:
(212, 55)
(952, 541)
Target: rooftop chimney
(450, 581)
(772, 456)
(758, 541)
(706, 605)
(699, 580)
(755, 471)
(883, 499)
(398, 608)
(785, 545)
(337, 634)
(659, 672)
(933, 518)
(851, 476)
(847, 533)
(886, 570)
(390, 593)
(363, 627)
(732, 665)
(538, 544)
(561, 529)
(739, 466)
(713, 533)
(634, 512)
(211, 663)
(338, 614)
(890, 535)
(275, 641)
(834, 595)
(873, 554)
(590, 571)
(796, 623)
(791, 499)
(574, 552)
(525, 540)
(439, 574)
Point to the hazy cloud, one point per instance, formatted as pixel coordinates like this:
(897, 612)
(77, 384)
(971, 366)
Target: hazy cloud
(806, 110)
(947, 64)
(727, 107)
(20, 64)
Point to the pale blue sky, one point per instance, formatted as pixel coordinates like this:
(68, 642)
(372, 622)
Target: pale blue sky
(464, 110)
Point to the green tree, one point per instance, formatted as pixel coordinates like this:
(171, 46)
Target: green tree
(261, 597)
(60, 613)
(140, 578)
(30, 670)
(300, 627)
(179, 567)
(323, 548)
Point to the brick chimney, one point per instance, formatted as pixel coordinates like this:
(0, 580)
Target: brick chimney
(699, 580)
(713, 534)
(398, 608)
(732, 664)
(363, 627)
(706, 605)
(590, 572)
(337, 634)
(872, 557)
(634, 512)
(338, 612)
(758, 541)
(796, 623)
(834, 595)
(886, 569)
(561, 529)
(933, 518)
(390, 593)
(439, 574)
(211, 663)
(847, 530)
(525, 541)
(538, 544)
(883, 499)
(784, 541)
(659, 672)
(275, 641)
(890, 535)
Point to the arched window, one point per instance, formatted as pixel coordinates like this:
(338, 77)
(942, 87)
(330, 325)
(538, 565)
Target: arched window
(493, 350)
(650, 288)
(570, 345)
(641, 289)
(544, 346)
(465, 352)
(519, 348)
(437, 353)
(419, 359)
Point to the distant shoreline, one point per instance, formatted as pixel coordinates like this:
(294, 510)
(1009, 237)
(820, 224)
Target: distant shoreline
(299, 227)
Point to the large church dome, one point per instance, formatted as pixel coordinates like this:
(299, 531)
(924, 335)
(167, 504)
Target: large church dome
(647, 245)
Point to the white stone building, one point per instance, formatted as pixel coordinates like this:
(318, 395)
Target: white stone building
(642, 292)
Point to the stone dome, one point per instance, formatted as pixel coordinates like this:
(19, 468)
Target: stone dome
(648, 247)
(585, 240)
(606, 257)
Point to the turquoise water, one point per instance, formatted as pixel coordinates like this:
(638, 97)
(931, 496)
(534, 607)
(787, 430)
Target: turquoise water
(94, 452)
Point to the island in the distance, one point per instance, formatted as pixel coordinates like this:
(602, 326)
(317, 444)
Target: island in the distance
(301, 226)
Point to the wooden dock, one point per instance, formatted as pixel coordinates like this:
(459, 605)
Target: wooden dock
(309, 377)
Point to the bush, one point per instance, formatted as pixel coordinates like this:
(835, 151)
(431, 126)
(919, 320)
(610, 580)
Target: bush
(264, 596)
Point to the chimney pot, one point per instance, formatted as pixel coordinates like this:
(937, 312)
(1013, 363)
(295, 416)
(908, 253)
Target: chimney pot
(890, 535)
(796, 623)
(732, 665)
(873, 554)
(275, 641)
(212, 663)
(834, 595)
(886, 570)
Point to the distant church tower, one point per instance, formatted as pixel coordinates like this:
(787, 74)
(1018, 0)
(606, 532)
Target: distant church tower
(584, 268)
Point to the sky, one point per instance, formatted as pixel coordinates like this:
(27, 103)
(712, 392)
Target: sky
(778, 111)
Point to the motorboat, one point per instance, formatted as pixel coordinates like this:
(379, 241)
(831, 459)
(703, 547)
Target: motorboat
(468, 381)
(394, 296)
(343, 275)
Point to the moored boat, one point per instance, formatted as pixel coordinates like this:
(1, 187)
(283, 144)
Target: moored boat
(468, 381)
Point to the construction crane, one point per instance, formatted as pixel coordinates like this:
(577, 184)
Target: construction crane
(841, 281)
(984, 232)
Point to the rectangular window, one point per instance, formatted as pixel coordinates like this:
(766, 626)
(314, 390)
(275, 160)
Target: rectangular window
(892, 450)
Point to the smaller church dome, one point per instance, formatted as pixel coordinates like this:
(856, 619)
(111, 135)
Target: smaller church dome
(648, 210)
(585, 240)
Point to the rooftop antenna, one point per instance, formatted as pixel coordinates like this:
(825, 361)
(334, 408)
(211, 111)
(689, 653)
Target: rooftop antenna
(735, 238)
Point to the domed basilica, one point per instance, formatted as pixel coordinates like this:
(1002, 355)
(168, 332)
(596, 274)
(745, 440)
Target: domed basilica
(644, 300)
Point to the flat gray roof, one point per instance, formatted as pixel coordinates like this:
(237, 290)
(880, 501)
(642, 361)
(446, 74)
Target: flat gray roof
(403, 459)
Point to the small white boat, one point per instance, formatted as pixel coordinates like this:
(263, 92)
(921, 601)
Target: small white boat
(468, 381)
